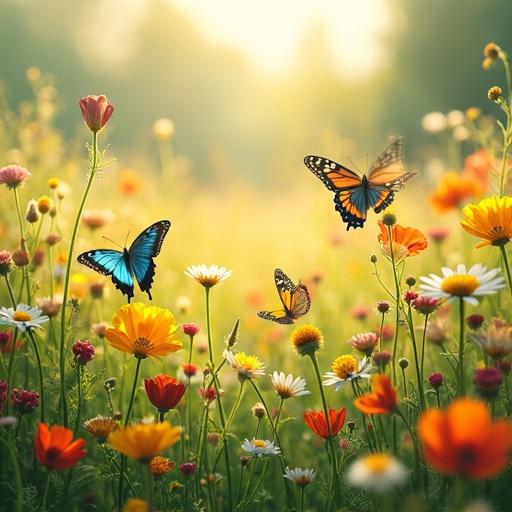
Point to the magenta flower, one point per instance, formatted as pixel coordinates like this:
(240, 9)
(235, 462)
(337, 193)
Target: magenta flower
(13, 176)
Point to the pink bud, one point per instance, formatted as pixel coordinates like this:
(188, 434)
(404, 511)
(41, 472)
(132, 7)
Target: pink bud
(96, 111)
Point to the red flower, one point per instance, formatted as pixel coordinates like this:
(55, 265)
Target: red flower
(55, 447)
(83, 351)
(164, 392)
(316, 421)
(96, 111)
(381, 400)
(190, 329)
(208, 394)
(24, 401)
(188, 468)
(190, 370)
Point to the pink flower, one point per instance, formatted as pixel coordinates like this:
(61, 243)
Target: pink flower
(13, 175)
(365, 342)
(425, 305)
(83, 351)
(96, 111)
(410, 296)
(438, 234)
(360, 312)
(190, 329)
(6, 262)
(24, 401)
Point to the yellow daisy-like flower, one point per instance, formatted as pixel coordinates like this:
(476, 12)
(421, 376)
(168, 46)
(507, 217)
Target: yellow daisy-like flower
(490, 219)
(344, 365)
(144, 331)
(247, 366)
(307, 339)
(144, 441)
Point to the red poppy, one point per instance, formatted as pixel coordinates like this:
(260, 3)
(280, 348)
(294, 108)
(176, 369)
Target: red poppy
(164, 392)
(55, 447)
(316, 421)
(381, 400)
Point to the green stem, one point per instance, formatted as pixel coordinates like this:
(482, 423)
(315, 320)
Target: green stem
(18, 483)
(462, 383)
(423, 346)
(397, 302)
(132, 395)
(11, 293)
(62, 360)
(148, 482)
(10, 368)
(18, 211)
(40, 372)
(507, 268)
(45, 493)
(421, 392)
(79, 405)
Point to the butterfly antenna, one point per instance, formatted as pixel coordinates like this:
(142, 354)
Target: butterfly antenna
(352, 163)
(366, 163)
(126, 239)
(110, 240)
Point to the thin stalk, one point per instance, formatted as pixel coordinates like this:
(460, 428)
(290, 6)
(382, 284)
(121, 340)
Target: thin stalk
(423, 346)
(421, 392)
(62, 355)
(18, 483)
(189, 401)
(507, 268)
(40, 372)
(10, 368)
(462, 383)
(11, 293)
(45, 493)
(79, 405)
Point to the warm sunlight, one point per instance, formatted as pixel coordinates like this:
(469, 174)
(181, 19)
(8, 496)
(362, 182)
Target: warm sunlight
(269, 32)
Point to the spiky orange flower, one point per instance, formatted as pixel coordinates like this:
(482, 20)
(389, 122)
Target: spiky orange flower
(405, 241)
(463, 440)
(383, 398)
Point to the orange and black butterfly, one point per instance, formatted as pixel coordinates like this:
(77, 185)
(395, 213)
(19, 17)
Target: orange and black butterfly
(355, 195)
(295, 300)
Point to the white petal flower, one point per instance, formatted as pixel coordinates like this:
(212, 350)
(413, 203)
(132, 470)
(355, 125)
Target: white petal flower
(300, 476)
(208, 276)
(345, 370)
(23, 317)
(378, 472)
(245, 365)
(462, 284)
(260, 447)
(286, 386)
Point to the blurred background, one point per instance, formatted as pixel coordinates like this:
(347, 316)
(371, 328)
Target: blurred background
(254, 86)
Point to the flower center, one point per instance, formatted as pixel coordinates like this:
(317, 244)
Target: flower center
(344, 366)
(460, 285)
(378, 462)
(141, 347)
(258, 443)
(466, 457)
(499, 235)
(21, 316)
(246, 362)
(53, 454)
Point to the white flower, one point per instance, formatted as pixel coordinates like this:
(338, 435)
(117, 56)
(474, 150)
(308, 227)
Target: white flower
(434, 122)
(344, 370)
(208, 276)
(23, 317)
(286, 386)
(299, 476)
(259, 447)
(245, 365)
(462, 284)
(455, 118)
(378, 472)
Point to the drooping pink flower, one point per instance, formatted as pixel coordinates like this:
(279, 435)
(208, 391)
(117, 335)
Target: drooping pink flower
(96, 111)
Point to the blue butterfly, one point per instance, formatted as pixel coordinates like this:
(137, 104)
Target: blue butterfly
(136, 261)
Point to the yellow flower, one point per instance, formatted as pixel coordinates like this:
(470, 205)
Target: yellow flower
(144, 441)
(144, 331)
(307, 339)
(53, 183)
(344, 366)
(136, 505)
(44, 204)
(490, 219)
(161, 465)
(247, 366)
(163, 128)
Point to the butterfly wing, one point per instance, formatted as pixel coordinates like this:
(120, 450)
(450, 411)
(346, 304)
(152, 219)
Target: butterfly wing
(387, 176)
(301, 301)
(110, 263)
(279, 315)
(142, 251)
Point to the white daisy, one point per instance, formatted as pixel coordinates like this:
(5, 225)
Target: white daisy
(286, 386)
(300, 476)
(208, 276)
(23, 317)
(378, 472)
(245, 365)
(463, 284)
(345, 369)
(260, 447)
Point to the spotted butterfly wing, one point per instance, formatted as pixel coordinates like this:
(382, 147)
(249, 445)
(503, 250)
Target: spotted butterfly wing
(136, 261)
(355, 195)
(294, 298)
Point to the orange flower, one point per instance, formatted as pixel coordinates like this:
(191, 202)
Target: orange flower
(406, 241)
(130, 182)
(478, 167)
(463, 440)
(381, 400)
(55, 447)
(452, 190)
(316, 422)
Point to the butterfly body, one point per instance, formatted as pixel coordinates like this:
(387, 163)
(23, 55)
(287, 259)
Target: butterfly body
(133, 264)
(354, 194)
(294, 298)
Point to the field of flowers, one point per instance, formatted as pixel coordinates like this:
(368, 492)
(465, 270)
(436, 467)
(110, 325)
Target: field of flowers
(390, 393)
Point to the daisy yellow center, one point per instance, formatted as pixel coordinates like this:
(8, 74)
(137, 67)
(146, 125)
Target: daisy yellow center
(344, 366)
(21, 316)
(248, 363)
(141, 347)
(258, 443)
(306, 334)
(378, 462)
(460, 285)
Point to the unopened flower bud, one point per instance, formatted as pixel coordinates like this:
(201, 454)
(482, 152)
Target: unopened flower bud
(383, 306)
(6, 262)
(389, 219)
(32, 215)
(410, 281)
(403, 362)
(44, 204)
(475, 321)
(258, 410)
(373, 258)
(494, 93)
(435, 380)
(110, 383)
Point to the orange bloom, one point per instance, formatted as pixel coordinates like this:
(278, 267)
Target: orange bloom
(406, 241)
(130, 182)
(55, 447)
(381, 400)
(464, 440)
(478, 167)
(452, 190)
(316, 422)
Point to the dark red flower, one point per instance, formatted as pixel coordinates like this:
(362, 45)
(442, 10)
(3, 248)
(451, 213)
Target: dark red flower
(190, 329)
(164, 392)
(188, 468)
(83, 351)
(24, 401)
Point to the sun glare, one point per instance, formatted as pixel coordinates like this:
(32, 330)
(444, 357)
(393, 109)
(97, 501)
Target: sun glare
(269, 32)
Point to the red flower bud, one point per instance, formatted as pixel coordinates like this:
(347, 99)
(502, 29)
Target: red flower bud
(191, 329)
(83, 351)
(24, 401)
(164, 392)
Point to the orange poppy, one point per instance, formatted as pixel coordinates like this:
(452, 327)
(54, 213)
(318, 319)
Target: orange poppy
(453, 189)
(315, 420)
(55, 447)
(381, 400)
(463, 440)
(406, 241)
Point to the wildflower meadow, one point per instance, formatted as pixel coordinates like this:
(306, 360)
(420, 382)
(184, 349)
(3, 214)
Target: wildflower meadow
(157, 355)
